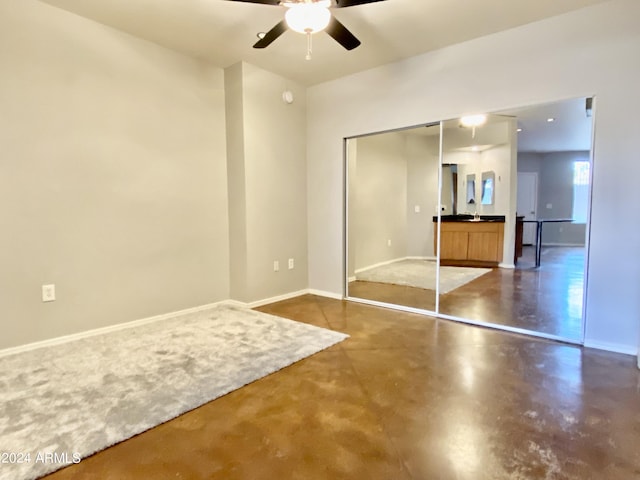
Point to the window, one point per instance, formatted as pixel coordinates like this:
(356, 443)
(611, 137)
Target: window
(580, 191)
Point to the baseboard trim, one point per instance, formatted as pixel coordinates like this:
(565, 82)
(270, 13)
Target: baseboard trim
(388, 262)
(287, 296)
(144, 321)
(612, 347)
(277, 298)
(322, 293)
(102, 330)
(606, 346)
(556, 244)
(379, 264)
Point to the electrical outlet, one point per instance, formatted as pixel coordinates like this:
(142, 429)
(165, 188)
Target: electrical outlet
(276, 266)
(48, 293)
(291, 264)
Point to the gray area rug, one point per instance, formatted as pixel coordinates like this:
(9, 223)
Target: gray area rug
(421, 274)
(62, 403)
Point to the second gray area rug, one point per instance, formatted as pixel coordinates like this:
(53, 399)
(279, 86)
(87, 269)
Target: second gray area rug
(62, 403)
(421, 274)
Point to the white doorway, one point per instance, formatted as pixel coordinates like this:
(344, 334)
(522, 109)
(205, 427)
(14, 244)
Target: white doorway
(528, 204)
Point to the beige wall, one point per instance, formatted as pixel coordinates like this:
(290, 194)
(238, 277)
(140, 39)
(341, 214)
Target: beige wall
(380, 200)
(112, 176)
(267, 184)
(238, 274)
(423, 158)
(591, 51)
(390, 175)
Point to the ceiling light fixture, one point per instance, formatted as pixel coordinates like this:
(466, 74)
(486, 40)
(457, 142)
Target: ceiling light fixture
(473, 121)
(519, 129)
(308, 17)
(551, 120)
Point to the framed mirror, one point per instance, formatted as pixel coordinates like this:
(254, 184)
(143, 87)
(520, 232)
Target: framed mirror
(471, 189)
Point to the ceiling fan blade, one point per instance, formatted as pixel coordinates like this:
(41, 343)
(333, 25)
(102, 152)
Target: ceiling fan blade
(341, 35)
(263, 2)
(352, 3)
(271, 35)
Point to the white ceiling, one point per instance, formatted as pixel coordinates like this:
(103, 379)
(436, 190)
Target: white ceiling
(571, 130)
(222, 32)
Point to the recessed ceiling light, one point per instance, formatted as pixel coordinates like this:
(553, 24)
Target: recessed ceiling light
(551, 119)
(519, 130)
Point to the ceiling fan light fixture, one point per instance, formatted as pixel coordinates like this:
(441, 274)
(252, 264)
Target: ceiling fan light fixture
(308, 17)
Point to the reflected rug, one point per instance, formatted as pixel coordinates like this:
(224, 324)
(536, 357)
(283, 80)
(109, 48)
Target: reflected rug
(59, 404)
(421, 274)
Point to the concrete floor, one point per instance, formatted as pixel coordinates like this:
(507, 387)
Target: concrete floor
(406, 397)
(546, 299)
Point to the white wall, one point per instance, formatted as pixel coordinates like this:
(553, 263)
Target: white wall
(236, 186)
(591, 51)
(112, 176)
(380, 200)
(422, 155)
(389, 175)
(267, 183)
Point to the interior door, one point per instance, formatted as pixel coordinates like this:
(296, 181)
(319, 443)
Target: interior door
(527, 204)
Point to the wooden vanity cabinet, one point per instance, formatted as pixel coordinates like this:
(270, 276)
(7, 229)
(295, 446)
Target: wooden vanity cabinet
(471, 243)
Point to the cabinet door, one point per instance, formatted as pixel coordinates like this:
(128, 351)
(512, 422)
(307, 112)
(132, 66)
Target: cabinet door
(483, 246)
(453, 245)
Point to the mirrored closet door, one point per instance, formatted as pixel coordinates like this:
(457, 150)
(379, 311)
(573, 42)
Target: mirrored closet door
(392, 191)
(490, 230)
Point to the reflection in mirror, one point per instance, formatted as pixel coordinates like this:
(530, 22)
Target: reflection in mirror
(521, 261)
(449, 195)
(488, 182)
(513, 227)
(471, 189)
(392, 192)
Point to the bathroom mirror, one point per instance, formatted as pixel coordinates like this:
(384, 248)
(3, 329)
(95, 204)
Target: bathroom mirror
(488, 185)
(471, 189)
(449, 193)
(416, 214)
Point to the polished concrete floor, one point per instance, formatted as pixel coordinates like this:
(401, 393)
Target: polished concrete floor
(405, 397)
(545, 299)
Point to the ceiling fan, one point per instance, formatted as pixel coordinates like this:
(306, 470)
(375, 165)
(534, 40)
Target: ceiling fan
(309, 17)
